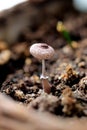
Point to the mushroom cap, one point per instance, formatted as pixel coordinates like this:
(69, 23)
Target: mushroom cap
(42, 51)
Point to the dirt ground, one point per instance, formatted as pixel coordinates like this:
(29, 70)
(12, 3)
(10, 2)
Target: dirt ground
(67, 70)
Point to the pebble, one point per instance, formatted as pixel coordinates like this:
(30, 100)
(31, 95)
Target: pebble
(5, 56)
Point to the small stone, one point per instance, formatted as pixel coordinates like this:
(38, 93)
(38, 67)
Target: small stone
(35, 79)
(67, 50)
(32, 95)
(83, 81)
(81, 64)
(5, 56)
(70, 75)
(83, 85)
(3, 45)
(74, 44)
(19, 94)
(28, 61)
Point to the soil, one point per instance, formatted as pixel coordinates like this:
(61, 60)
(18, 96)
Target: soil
(19, 76)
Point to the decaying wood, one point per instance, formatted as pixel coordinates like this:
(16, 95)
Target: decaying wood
(16, 117)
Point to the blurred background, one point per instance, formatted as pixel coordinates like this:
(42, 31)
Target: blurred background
(80, 5)
(6, 4)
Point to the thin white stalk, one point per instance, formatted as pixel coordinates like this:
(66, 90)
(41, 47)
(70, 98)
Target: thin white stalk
(45, 83)
(43, 68)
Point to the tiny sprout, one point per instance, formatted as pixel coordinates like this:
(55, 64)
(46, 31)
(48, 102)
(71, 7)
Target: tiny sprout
(61, 28)
(42, 52)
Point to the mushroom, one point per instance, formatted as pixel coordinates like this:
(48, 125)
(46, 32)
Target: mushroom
(42, 52)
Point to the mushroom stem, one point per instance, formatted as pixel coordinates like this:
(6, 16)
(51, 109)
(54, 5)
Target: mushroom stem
(43, 68)
(46, 85)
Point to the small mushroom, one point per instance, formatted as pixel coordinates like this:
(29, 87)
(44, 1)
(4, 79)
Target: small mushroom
(42, 52)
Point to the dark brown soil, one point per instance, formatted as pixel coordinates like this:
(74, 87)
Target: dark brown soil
(67, 70)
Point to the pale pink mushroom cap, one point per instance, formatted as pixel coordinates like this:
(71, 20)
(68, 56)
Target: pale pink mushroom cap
(42, 51)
